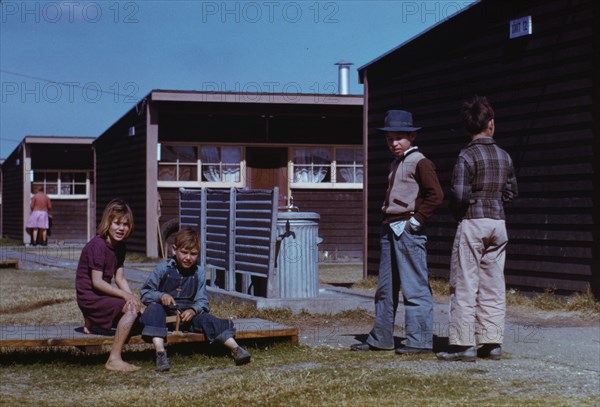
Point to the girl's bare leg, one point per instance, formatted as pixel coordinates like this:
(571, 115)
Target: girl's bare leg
(87, 326)
(115, 362)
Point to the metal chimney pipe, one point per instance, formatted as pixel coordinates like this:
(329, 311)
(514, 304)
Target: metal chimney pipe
(343, 76)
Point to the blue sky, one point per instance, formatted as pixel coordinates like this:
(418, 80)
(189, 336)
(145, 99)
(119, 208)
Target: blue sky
(72, 68)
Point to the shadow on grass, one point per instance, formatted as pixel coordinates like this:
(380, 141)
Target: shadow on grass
(440, 343)
(133, 353)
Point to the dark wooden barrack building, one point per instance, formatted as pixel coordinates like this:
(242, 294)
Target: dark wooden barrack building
(309, 146)
(537, 62)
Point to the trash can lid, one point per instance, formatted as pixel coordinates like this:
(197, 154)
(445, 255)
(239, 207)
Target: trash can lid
(298, 215)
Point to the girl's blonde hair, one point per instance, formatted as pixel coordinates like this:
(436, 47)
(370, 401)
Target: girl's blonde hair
(115, 209)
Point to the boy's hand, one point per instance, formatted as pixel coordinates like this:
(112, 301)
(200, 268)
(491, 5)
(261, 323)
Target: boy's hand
(187, 315)
(167, 299)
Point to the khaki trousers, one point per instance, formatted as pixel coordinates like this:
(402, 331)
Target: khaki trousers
(477, 288)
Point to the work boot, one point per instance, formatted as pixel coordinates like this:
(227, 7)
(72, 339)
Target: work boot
(490, 350)
(462, 353)
(241, 356)
(162, 362)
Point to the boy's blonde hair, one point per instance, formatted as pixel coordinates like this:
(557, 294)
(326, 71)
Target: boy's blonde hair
(115, 209)
(187, 238)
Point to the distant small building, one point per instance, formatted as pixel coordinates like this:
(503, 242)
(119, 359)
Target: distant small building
(535, 61)
(310, 146)
(64, 168)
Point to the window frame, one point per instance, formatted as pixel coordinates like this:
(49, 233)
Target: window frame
(59, 182)
(199, 183)
(333, 168)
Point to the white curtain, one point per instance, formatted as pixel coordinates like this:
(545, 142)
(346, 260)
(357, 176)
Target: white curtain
(221, 164)
(349, 167)
(311, 165)
(210, 164)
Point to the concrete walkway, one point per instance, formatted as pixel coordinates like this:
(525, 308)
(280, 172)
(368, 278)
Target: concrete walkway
(65, 257)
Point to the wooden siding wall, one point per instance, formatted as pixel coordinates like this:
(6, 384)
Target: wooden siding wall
(121, 172)
(170, 204)
(541, 88)
(12, 198)
(341, 223)
(69, 221)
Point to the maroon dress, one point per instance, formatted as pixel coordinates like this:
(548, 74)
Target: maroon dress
(102, 310)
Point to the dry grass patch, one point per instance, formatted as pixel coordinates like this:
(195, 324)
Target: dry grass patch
(581, 303)
(36, 298)
(278, 376)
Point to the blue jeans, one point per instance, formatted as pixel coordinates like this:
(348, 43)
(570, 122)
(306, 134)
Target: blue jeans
(403, 263)
(215, 329)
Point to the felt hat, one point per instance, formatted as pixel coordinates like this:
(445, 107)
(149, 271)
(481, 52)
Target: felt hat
(398, 120)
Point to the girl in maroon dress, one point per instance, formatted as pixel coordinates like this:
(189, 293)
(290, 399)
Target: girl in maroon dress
(103, 305)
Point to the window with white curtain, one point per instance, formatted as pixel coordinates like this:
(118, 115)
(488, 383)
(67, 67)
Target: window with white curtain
(221, 164)
(327, 167)
(311, 165)
(178, 163)
(199, 165)
(349, 165)
(61, 184)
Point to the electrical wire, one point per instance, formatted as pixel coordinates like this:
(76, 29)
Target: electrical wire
(68, 84)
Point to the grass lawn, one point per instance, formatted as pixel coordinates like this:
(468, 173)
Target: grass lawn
(280, 374)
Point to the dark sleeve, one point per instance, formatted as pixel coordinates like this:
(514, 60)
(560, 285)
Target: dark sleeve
(96, 258)
(460, 188)
(431, 194)
(510, 190)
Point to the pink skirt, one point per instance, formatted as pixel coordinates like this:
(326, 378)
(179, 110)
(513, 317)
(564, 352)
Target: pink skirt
(37, 220)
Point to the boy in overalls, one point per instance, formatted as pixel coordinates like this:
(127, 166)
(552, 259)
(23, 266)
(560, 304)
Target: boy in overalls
(179, 285)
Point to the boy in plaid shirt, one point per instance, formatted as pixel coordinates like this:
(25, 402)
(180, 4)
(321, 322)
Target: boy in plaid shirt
(483, 181)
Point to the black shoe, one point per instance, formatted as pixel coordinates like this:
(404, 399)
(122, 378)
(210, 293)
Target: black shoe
(241, 356)
(365, 347)
(490, 350)
(409, 350)
(162, 362)
(462, 353)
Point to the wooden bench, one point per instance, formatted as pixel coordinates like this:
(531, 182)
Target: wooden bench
(72, 335)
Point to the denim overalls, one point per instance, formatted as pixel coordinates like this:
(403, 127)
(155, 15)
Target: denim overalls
(183, 289)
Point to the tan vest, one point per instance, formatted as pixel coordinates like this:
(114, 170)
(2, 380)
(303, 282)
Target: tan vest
(403, 188)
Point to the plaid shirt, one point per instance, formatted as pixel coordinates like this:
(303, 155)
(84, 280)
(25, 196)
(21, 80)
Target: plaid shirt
(483, 180)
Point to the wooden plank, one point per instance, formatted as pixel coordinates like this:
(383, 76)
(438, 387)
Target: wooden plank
(72, 335)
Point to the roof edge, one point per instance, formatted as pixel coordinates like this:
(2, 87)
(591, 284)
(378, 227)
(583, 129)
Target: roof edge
(161, 95)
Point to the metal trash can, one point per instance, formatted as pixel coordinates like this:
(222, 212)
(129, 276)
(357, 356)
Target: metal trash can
(298, 255)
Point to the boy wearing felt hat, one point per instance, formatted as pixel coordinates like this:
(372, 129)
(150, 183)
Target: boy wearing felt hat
(413, 193)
